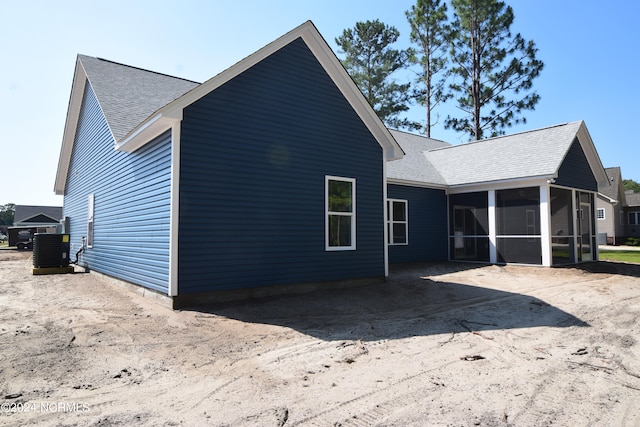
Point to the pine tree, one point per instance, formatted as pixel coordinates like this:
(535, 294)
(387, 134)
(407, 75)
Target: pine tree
(428, 20)
(494, 69)
(371, 60)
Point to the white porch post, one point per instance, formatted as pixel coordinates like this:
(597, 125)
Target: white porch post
(493, 250)
(545, 225)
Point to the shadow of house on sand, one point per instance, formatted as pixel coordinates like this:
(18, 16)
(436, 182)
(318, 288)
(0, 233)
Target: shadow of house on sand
(610, 267)
(409, 304)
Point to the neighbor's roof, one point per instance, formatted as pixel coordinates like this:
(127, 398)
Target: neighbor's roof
(414, 168)
(613, 192)
(633, 199)
(533, 154)
(24, 212)
(140, 105)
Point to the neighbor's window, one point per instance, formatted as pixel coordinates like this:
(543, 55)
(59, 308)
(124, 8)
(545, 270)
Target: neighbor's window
(634, 218)
(340, 208)
(600, 213)
(90, 222)
(398, 223)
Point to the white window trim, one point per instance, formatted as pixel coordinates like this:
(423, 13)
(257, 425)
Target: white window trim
(90, 221)
(391, 221)
(351, 214)
(598, 211)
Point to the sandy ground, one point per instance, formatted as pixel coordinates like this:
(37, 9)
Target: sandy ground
(441, 345)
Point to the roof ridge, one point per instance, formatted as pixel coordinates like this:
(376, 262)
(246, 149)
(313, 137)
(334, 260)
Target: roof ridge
(141, 69)
(507, 136)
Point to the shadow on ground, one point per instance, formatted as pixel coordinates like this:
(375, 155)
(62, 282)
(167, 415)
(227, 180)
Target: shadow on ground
(610, 267)
(407, 305)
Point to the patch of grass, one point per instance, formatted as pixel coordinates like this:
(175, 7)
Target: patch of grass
(623, 256)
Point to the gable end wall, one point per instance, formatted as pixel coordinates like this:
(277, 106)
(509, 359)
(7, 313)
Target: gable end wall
(575, 171)
(254, 156)
(132, 200)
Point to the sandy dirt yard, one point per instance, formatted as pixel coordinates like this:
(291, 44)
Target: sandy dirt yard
(438, 345)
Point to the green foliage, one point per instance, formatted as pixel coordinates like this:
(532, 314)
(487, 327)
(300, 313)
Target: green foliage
(7, 213)
(633, 241)
(489, 65)
(630, 184)
(371, 61)
(429, 30)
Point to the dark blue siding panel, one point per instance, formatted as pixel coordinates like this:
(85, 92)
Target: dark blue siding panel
(254, 156)
(575, 171)
(132, 202)
(427, 225)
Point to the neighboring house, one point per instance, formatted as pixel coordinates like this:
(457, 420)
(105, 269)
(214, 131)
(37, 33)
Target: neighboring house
(277, 172)
(29, 220)
(610, 213)
(37, 216)
(632, 213)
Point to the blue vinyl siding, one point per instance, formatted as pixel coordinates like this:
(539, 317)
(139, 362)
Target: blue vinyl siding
(132, 202)
(427, 214)
(254, 156)
(575, 171)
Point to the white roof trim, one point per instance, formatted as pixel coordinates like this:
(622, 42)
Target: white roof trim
(420, 184)
(327, 59)
(589, 149)
(501, 185)
(71, 124)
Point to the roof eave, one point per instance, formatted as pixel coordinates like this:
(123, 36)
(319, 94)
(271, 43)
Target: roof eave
(421, 184)
(71, 124)
(324, 55)
(149, 130)
(532, 181)
(589, 149)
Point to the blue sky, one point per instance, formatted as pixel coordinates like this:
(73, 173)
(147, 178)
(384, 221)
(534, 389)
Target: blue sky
(591, 54)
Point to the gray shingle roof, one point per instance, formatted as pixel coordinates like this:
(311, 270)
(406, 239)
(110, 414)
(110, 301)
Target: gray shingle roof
(23, 212)
(633, 199)
(414, 166)
(129, 95)
(535, 153)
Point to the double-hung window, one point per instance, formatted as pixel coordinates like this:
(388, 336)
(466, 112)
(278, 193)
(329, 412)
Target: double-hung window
(634, 218)
(340, 194)
(397, 222)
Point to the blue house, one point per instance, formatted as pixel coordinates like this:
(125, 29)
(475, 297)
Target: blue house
(276, 175)
(270, 173)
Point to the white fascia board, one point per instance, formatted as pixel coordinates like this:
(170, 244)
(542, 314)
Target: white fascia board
(71, 124)
(589, 149)
(419, 184)
(501, 185)
(324, 55)
(348, 88)
(151, 128)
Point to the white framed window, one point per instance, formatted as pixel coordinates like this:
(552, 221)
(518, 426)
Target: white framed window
(600, 213)
(398, 222)
(340, 208)
(90, 221)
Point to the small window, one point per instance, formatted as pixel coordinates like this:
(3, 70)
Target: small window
(90, 221)
(340, 213)
(600, 213)
(398, 222)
